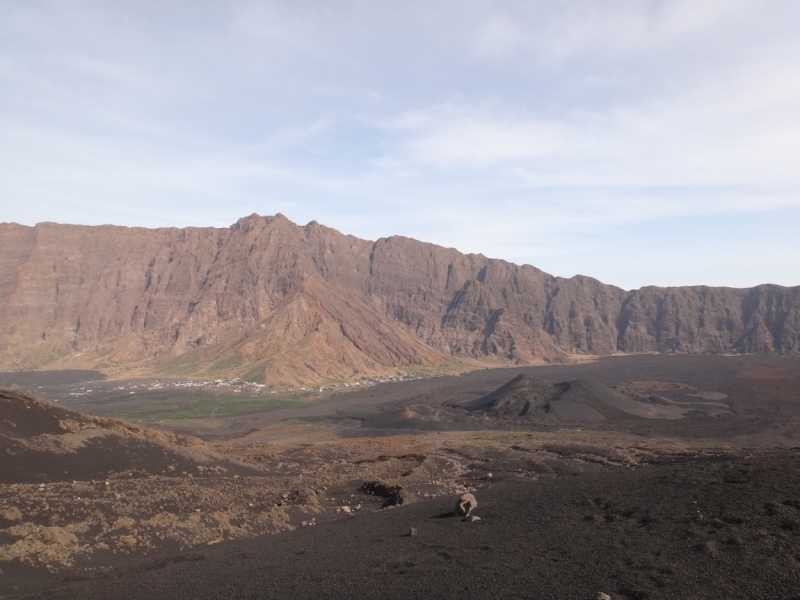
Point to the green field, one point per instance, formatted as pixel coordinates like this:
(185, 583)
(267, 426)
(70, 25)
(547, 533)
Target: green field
(204, 408)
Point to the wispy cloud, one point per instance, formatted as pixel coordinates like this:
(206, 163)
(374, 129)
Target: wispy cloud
(543, 132)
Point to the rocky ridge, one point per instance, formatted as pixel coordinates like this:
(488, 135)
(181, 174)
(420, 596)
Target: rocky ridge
(286, 304)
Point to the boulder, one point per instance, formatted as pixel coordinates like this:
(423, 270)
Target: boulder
(465, 505)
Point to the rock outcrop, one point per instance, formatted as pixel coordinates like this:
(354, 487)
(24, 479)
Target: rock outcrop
(278, 302)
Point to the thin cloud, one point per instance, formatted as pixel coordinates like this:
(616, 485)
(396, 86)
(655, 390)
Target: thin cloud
(542, 132)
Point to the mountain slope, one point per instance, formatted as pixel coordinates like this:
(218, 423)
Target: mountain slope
(318, 332)
(195, 299)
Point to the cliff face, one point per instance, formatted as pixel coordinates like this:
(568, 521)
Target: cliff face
(272, 300)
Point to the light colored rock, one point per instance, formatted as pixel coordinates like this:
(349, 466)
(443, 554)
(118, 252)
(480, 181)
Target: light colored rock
(11, 514)
(603, 596)
(346, 509)
(466, 504)
(126, 542)
(58, 535)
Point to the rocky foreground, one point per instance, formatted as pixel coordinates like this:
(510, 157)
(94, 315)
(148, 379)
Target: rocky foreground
(168, 493)
(635, 477)
(681, 526)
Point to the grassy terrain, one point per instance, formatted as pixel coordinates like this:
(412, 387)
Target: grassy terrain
(300, 422)
(203, 408)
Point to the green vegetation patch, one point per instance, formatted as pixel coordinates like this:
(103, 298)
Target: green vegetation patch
(204, 408)
(317, 424)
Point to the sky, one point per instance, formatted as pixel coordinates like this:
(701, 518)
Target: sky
(640, 143)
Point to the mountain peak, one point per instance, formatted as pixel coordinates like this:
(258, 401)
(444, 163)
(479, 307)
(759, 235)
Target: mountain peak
(112, 297)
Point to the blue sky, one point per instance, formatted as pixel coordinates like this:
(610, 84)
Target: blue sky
(641, 143)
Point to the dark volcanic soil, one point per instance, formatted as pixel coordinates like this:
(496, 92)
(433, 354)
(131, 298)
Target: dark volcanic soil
(702, 503)
(758, 398)
(714, 527)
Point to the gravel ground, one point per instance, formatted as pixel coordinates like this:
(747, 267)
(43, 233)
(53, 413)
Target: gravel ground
(713, 527)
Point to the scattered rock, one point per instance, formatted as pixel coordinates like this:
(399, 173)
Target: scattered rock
(58, 535)
(126, 542)
(11, 514)
(473, 519)
(69, 425)
(308, 498)
(412, 532)
(465, 505)
(602, 596)
(346, 509)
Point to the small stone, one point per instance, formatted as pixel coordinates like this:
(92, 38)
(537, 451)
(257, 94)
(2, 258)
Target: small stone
(488, 475)
(358, 507)
(284, 495)
(346, 509)
(196, 510)
(106, 483)
(412, 532)
(473, 519)
(303, 523)
(602, 596)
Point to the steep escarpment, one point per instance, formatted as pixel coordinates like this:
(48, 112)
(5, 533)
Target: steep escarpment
(278, 302)
(705, 319)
